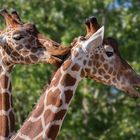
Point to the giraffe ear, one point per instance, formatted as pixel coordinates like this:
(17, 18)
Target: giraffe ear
(94, 41)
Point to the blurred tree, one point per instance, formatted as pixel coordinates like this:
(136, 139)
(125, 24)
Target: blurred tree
(96, 113)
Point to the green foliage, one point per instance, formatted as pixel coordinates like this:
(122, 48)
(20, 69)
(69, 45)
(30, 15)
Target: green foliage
(94, 114)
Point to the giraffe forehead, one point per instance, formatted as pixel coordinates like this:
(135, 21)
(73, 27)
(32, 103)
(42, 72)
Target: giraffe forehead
(94, 54)
(19, 30)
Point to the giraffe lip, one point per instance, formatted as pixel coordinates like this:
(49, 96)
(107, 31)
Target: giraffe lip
(137, 88)
(59, 57)
(136, 85)
(134, 91)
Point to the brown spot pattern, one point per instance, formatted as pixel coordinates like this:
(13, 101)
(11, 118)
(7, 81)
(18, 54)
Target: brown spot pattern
(10, 86)
(89, 63)
(114, 73)
(68, 80)
(59, 115)
(110, 70)
(118, 77)
(96, 56)
(107, 76)
(12, 121)
(68, 95)
(15, 54)
(87, 70)
(33, 58)
(97, 64)
(52, 133)
(94, 70)
(38, 110)
(4, 99)
(66, 64)
(48, 116)
(53, 98)
(82, 73)
(4, 131)
(32, 129)
(94, 62)
(101, 71)
(76, 53)
(106, 66)
(27, 60)
(57, 78)
(4, 81)
(102, 58)
(75, 67)
(84, 62)
(114, 80)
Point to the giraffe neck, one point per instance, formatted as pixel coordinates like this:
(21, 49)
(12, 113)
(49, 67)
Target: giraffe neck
(6, 110)
(46, 119)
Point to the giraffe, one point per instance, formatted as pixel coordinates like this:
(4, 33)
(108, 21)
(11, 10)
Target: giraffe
(21, 44)
(94, 58)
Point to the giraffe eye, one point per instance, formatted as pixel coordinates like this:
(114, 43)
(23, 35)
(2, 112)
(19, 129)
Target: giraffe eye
(108, 50)
(109, 54)
(17, 37)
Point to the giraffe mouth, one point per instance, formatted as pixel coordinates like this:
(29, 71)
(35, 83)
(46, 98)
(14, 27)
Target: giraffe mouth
(57, 56)
(60, 57)
(134, 89)
(131, 91)
(137, 88)
(57, 59)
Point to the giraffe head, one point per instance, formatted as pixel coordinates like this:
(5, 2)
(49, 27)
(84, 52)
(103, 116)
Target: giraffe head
(100, 60)
(23, 43)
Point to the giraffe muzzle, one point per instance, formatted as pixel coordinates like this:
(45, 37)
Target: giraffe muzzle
(136, 81)
(134, 88)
